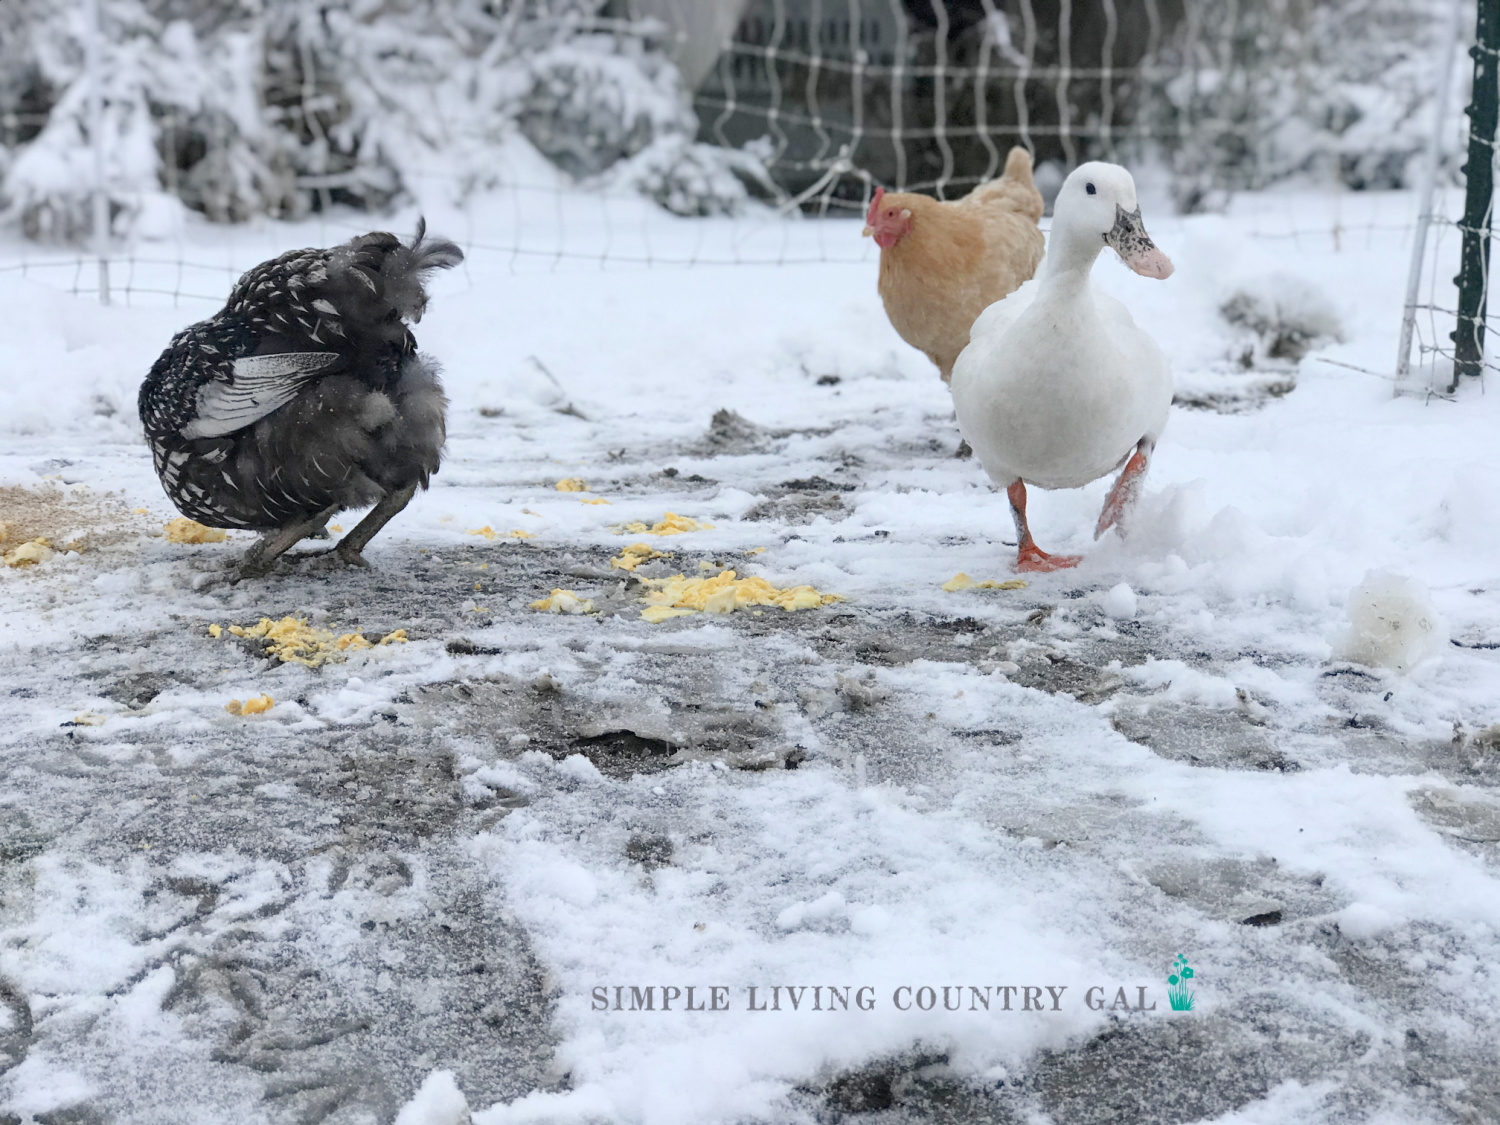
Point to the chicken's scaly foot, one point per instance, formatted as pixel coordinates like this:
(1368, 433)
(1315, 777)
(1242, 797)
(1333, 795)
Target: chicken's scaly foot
(330, 560)
(1126, 490)
(262, 555)
(350, 546)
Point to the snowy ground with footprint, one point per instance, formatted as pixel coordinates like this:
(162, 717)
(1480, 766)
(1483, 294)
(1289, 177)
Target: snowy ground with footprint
(393, 894)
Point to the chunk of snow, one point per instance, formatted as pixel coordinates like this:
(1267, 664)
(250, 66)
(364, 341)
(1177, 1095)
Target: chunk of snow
(1362, 922)
(1392, 624)
(821, 909)
(1119, 602)
(438, 1101)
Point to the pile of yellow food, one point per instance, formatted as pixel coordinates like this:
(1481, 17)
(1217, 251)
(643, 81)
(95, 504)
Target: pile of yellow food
(724, 593)
(488, 532)
(635, 554)
(572, 484)
(563, 601)
(184, 530)
(254, 706)
(292, 641)
(669, 524)
(30, 554)
(962, 581)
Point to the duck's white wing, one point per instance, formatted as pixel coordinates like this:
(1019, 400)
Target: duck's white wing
(1145, 364)
(1128, 336)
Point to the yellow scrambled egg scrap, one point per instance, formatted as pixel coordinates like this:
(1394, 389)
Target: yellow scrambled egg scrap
(753, 551)
(293, 641)
(656, 614)
(635, 554)
(725, 593)
(572, 484)
(184, 530)
(30, 554)
(669, 524)
(563, 601)
(253, 706)
(488, 532)
(596, 500)
(962, 581)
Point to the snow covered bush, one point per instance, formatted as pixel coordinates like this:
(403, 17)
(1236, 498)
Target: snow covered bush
(237, 108)
(1258, 91)
(690, 178)
(612, 109)
(599, 99)
(179, 103)
(1280, 318)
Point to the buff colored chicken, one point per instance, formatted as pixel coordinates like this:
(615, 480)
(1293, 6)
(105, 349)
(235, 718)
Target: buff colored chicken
(944, 263)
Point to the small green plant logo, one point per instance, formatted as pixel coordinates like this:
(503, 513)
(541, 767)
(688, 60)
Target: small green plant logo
(1178, 992)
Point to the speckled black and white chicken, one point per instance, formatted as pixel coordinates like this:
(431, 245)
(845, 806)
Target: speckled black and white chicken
(304, 396)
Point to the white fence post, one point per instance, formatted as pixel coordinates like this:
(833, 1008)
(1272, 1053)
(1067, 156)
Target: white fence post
(1428, 186)
(94, 64)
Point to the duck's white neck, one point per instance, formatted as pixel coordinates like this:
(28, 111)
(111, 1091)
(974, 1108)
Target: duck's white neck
(1070, 258)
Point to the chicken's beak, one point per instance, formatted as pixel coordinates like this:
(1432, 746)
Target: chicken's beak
(867, 232)
(1128, 238)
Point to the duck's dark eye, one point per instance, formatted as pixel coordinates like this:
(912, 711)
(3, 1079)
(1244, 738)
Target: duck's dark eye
(1090, 189)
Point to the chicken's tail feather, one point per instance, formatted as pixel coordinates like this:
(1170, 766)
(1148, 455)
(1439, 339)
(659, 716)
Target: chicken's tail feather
(1014, 190)
(1018, 166)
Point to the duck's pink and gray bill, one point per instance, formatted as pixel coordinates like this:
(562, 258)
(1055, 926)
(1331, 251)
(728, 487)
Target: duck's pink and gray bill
(304, 395)
(1128, 238)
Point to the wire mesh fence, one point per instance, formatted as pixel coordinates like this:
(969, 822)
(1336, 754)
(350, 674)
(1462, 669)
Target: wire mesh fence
(807, 104)
(1448, 297)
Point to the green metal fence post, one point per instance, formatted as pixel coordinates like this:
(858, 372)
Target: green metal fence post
(1479, 172)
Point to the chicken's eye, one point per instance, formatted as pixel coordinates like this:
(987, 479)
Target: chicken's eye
(1090, 189)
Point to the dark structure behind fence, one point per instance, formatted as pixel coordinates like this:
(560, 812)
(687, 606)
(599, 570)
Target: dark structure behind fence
(929, 96)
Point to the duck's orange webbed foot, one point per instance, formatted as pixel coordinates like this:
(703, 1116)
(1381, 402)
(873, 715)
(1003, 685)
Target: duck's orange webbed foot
(1125, 491)
(1031, 559)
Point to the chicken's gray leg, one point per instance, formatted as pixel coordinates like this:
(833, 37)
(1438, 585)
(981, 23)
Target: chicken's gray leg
(271, 546)
(350, 546)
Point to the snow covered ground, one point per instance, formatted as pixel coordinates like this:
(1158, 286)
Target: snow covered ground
(416, 869)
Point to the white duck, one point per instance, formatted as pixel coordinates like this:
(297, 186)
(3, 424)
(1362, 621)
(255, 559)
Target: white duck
(1058, 386)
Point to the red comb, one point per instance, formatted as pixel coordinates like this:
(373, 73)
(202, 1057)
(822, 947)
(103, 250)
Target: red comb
(874, 206)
